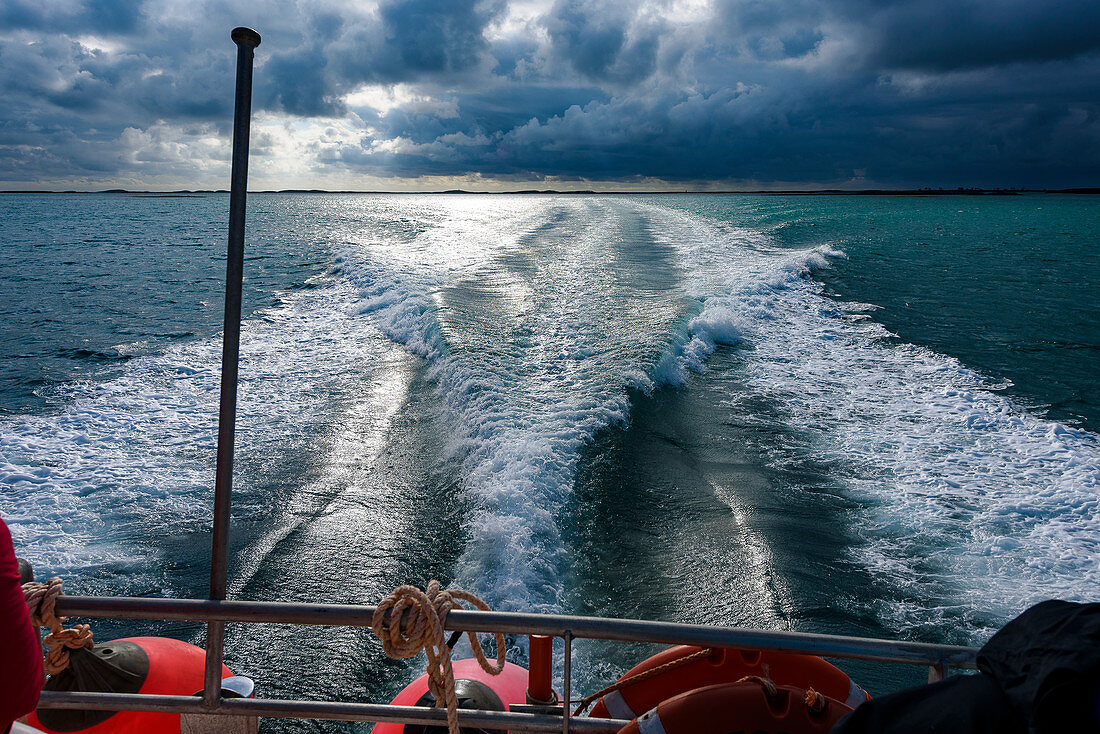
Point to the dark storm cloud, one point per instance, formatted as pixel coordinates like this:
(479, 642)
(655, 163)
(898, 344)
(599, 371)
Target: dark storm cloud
(603, 40)
(510, 53)
(933, 35)
(833, 133)
(939, 36)
(434, 35)
(773, 30)
(297, 84)
(485, 113)
(92, 16)
(407, 40)
(961, 92)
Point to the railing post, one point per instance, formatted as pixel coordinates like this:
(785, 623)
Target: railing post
(247, 40)
(937, 672)
(567, 683)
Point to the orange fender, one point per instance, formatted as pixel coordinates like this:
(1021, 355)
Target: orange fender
(175, 668)
(510, 687)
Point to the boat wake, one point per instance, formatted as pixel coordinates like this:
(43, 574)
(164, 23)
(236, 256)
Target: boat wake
(970, 507)
(531, 327)
(537, 328)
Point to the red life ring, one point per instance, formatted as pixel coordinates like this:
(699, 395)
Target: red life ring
(746, 706)
(723, 665)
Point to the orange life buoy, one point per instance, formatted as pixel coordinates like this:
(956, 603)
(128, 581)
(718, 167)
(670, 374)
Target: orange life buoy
(723, 665)
(152, 665)
(746, 706)
(510, 687)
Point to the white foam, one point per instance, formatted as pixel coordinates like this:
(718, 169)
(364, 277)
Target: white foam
(975, 508)
(541, 361)
(545, 356)
(126, 461)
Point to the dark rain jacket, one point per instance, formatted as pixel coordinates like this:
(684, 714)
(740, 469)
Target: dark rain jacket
(1040, 675)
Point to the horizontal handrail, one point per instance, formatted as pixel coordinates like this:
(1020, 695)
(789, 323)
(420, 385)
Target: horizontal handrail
(356, 615)
(346, 711)
(937, 657)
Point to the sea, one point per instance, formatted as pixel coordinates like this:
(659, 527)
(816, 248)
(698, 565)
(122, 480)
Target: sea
(862, 415)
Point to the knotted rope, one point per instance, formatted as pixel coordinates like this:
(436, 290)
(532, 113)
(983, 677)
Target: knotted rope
(645, 675)
(765, 681)
(41, 599)
(416, 621)
(814, 701)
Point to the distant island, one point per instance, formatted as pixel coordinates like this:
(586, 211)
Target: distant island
(961, 191)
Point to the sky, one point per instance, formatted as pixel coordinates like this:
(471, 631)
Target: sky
(567, 94)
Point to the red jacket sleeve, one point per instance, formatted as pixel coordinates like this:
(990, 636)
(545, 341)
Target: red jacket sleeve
(20, 651)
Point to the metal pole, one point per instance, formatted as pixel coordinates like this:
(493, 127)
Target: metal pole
(567, 681)
(247, 40)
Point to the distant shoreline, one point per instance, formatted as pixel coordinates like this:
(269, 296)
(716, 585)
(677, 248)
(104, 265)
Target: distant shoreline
(187, 193)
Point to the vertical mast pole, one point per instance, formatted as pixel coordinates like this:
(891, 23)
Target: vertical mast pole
(247, 40)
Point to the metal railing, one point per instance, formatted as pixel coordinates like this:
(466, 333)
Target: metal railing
(938, 658)
(216, 611)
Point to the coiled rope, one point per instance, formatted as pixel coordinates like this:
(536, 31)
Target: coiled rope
(41, 599)
(416, 621)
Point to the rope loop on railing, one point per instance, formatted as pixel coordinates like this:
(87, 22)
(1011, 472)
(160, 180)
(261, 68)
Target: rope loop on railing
(41, 600)
(416, 620)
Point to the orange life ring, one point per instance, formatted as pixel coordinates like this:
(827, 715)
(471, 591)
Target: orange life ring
(723, 665)
(746, 706)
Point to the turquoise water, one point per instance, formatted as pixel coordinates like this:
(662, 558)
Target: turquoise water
(1001, 283)
(863, 415)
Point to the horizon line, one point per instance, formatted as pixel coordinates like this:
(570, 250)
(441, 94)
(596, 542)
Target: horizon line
(925, 191)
